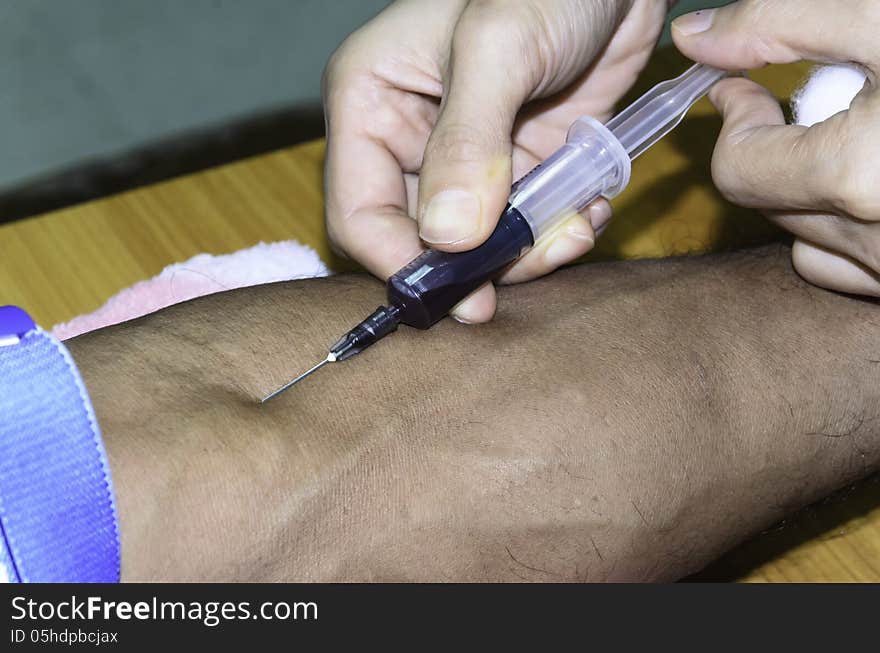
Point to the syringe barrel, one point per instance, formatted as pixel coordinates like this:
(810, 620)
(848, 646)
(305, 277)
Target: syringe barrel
(591, 163)
(594, 162)
(426, 289)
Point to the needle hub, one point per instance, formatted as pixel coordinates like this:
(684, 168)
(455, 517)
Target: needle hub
(380, 323)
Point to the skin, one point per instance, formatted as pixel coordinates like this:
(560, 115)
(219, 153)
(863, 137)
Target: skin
(482, 90)
(454, 99)
(631, 421)
(818, 182)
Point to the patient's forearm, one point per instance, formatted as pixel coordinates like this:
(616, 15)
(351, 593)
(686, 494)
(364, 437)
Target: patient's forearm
(616, 421)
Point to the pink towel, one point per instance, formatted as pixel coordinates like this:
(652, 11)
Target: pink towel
(201, 275)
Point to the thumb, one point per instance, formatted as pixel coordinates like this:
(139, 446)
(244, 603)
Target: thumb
(465, 176)
(751, 33)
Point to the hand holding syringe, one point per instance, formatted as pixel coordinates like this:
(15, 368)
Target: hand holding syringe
(594, 162)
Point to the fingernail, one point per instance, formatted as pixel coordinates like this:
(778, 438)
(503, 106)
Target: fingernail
(694, 23)
(451, 216)
(599, 215)
(567, 246)
(463, 312)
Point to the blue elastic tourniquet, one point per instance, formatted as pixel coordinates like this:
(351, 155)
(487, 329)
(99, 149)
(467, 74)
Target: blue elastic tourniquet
(57, 509)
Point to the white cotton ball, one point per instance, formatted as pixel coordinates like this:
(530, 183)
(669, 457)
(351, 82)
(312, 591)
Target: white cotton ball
(829, 90)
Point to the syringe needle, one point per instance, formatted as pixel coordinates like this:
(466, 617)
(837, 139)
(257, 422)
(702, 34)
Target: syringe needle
(378, 325)
(594, 161)
(330, 358)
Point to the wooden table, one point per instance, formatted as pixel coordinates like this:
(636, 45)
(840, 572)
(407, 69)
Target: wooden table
(69, 262)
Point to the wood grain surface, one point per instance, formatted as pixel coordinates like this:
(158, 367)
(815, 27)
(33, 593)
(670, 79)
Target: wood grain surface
(69, 262)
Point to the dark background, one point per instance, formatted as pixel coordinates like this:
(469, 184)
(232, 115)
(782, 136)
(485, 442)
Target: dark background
(103, 95)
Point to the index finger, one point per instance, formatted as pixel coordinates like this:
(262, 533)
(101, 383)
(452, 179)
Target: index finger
(366, 205)
(749, 34)
(762, 163)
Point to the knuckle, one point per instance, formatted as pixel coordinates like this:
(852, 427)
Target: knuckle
(346, 69)
(332, 79)
(489, 14)
(460, 142)
(765, 49)
(342, 233)
(759, 19)
(859, 195)
(353, 94)
(727, 171)
(503, 39)
(335, 67)
(492, 27)
(756, 11)
(848, 143)
(852, 168)
(334, 225)
(331, 68)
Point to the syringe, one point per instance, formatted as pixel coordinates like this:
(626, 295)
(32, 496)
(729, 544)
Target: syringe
(594, 162)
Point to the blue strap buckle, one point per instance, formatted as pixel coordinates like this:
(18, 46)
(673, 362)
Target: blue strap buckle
(14, 323)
